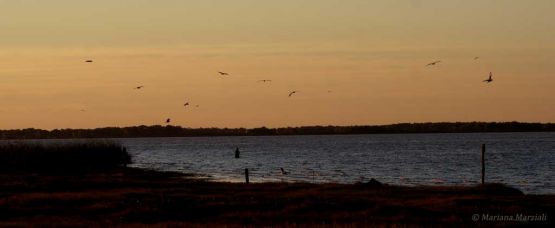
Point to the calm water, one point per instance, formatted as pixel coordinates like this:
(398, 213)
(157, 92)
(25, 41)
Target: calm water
(522, 160)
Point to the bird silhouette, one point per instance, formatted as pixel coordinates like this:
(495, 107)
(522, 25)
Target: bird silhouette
(168, 120)
(283, 171)
(292, 92)
(490, 79)
(265, 80)
(433, 63)
(222, 73)
(139, 87)
(88, 61)
(476, 58)
(186, 103)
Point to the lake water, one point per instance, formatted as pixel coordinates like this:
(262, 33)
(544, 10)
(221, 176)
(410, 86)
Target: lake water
(522, 160)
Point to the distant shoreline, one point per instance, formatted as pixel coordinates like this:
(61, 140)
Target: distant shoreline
(178, 131)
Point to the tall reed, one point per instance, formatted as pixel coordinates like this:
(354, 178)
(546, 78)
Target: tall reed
(62, 156)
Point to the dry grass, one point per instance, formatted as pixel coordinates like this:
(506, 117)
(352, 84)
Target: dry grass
(136, 197)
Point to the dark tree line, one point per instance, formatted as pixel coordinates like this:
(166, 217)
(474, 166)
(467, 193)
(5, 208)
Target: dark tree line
(176, 131)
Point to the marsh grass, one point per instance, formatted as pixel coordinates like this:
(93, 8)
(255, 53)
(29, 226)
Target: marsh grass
(62, 156)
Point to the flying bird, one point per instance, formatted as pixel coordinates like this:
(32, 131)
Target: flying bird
(283, 171)
(168, 120)
(265, 80)
(476, 58)
(222, 73)
(88, 61)
(490, 79)
(293, 92)
(139, 87)
(83, 110)
(187, 103)
(433, 63)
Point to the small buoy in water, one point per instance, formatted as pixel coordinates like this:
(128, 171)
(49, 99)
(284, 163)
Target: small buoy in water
(237, 153)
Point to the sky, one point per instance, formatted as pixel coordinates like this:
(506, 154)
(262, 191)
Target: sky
(357, 62)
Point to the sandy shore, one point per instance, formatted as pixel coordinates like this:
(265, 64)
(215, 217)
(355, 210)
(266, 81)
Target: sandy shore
(138, 197)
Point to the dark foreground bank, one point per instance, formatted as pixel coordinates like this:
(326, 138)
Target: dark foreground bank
(126, 196)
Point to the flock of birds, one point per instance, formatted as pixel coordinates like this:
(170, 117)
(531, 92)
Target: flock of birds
(221, 73)
(291, 93)
(488, 80)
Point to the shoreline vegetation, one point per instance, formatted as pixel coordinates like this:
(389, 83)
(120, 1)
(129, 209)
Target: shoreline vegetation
(134, 197)
(178, 131)
(90, 155)
(88, 184)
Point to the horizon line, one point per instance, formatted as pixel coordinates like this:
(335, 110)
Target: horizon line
(299, 126)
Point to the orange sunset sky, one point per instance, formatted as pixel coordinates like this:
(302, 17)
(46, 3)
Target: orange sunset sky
(371, 54)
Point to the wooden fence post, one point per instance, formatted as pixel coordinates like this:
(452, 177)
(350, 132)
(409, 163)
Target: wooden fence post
(483, 163)
(247, 176)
